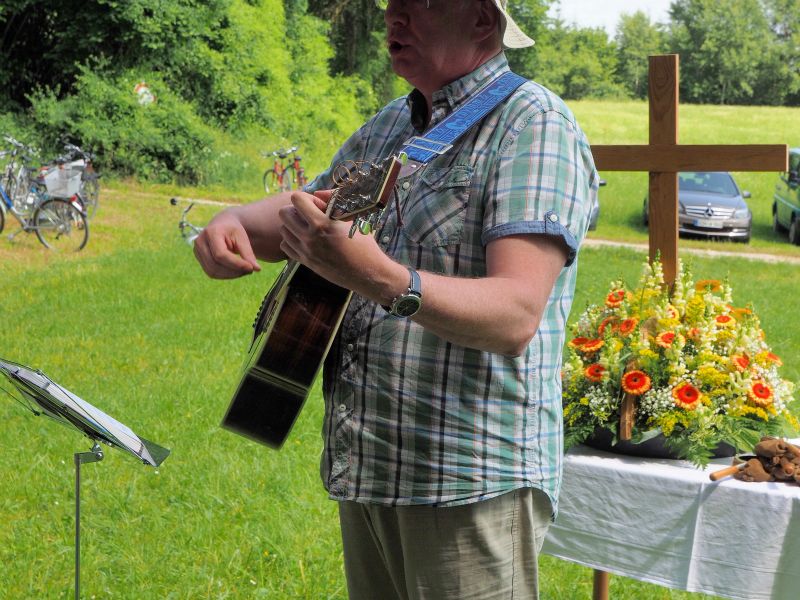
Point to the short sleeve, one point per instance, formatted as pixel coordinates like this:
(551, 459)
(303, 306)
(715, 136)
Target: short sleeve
(544, 181)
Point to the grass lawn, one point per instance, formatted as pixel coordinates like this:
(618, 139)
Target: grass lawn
(133, 326)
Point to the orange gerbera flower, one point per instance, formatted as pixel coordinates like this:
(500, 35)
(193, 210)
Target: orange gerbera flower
(741, 313)
(773, 358)
(711, 285)
(666, 339)
(577, 342)
(615, 298)
(687, 396)
(636, 382)
(627, 326)
(591, 346)
(608, 321)
(594, 372)
(760, 393)
(693, 333)
(740, 361)
(724, 320)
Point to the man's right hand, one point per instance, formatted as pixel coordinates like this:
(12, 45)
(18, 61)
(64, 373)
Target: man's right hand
(223, 248)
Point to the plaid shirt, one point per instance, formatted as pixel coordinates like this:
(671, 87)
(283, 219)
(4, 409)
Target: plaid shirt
(409, 417)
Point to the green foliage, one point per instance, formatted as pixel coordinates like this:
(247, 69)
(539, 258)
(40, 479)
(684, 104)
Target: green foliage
(636, 39)
(727, 45)
(576, 63)
(222, 73)
(159, 141)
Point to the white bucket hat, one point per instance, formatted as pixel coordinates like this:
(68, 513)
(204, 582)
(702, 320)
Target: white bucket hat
(513, 37)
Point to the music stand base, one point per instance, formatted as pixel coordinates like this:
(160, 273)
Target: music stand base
(95, 455)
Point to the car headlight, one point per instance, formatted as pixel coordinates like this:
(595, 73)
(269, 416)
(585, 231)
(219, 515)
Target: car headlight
(741, 213)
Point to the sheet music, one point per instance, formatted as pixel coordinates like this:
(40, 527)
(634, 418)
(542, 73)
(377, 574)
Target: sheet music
(66, 407)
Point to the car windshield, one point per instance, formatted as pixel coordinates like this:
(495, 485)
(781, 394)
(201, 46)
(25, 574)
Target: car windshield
(716, 183)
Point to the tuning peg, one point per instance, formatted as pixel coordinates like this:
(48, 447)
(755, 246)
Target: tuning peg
(365, 226)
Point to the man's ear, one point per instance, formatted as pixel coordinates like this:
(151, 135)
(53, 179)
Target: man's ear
(487, 21)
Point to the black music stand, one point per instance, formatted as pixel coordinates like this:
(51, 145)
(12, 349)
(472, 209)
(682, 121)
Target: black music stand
(42, 396)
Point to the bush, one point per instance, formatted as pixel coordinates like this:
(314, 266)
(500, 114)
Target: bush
(160, 141)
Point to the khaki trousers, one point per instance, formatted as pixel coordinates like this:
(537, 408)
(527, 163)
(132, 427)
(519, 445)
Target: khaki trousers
(486, 550)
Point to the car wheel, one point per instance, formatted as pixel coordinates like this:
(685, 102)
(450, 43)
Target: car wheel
(794, 231)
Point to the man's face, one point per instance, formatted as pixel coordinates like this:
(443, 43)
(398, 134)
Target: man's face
(430, 41)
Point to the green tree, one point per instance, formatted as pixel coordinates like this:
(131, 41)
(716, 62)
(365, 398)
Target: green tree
(781, 80)
(577, 62)
(724, 44)
(636, 39)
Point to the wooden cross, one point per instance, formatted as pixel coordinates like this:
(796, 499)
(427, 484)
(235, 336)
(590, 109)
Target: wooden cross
(663, 158)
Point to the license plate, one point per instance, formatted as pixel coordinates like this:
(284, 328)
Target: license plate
(709, 223)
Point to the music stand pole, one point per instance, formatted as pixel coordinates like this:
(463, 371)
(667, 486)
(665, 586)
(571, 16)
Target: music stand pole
(95, 455)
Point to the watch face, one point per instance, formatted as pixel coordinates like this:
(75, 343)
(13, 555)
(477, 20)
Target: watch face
(407, 305)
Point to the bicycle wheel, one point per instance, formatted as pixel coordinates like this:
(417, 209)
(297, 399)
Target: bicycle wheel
(90, 192)
(289, 177)
(59, 225)
(273, 182)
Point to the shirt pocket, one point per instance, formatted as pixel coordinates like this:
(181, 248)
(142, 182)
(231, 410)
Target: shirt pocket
(437, 206)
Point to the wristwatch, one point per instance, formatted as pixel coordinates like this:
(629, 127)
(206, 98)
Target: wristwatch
(410, 301)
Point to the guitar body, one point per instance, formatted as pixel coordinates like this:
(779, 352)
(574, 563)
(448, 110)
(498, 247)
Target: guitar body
(300, 316)
(294, 331)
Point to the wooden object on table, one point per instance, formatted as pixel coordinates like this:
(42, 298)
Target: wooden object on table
(627, 415)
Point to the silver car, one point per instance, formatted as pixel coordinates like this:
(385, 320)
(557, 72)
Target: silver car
(711, 205)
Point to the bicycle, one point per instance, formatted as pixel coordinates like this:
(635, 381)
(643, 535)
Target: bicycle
(189, 231)
(284, 177)
(59, 223)
(17, 174)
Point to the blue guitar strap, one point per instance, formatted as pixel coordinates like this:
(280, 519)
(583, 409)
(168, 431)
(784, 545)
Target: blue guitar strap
(440, 138)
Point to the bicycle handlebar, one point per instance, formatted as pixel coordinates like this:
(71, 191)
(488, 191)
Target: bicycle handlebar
(19, 145)
(280, 152)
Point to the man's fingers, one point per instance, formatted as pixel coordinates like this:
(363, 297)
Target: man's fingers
(241, 244)
(322, 198)
(225, 254)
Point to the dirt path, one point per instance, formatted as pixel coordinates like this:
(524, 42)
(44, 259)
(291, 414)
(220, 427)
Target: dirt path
(755, 256)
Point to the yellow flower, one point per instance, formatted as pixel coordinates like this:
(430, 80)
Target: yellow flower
(695, 309)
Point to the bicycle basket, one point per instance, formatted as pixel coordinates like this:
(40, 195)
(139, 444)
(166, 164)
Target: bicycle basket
(62, 183)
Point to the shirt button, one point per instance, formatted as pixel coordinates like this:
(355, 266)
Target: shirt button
(554, 218)
(406, 185)
(386, 239)
(342, 408)
(350, 347)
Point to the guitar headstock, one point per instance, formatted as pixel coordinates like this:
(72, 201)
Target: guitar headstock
(363, 190)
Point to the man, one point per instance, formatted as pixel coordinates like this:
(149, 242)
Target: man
(442, 428)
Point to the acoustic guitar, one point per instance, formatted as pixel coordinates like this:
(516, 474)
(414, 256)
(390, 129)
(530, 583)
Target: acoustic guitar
(300, 315)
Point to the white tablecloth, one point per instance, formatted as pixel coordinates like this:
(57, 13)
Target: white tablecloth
(665, 522)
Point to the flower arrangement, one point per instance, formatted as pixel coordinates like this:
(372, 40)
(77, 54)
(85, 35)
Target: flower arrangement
(687, 366)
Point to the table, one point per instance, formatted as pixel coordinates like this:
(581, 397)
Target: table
(666, 522)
